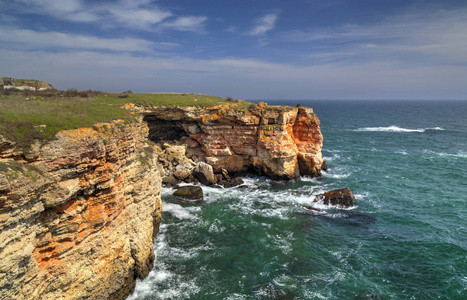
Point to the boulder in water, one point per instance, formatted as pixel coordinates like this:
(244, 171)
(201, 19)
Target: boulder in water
(232, 182)
(190, 192)
(341, 197)
(204, 173)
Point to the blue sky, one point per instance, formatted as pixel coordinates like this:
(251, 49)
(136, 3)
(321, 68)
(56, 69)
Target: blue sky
(258, 49)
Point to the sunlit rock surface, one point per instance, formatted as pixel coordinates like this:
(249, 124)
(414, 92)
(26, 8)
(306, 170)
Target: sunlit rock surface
(77, 219)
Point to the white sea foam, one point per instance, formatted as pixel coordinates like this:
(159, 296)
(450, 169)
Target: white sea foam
(180, 212)
(396, 129)
(337, 173)
(459, 154)
(403, 152)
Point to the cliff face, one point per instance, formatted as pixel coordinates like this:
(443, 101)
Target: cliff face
(78, 215)
(24, 84)
(280, 142)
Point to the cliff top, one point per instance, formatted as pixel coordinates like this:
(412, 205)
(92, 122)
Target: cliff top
(27, 115)
(22, 84)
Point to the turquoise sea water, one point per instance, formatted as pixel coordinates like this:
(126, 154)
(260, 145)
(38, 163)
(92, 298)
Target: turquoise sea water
(406, 162)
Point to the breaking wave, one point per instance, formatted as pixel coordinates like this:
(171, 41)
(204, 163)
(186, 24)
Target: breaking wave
(396, 129)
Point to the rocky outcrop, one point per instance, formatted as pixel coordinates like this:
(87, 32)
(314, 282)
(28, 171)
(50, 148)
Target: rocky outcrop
(189, 192)
(277, 141)
(204, 173)
(341, 197)
(78, 215)
(24, 84)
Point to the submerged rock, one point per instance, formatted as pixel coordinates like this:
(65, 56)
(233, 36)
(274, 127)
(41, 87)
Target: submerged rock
(232, 182)
(341, 197)
(190, 192)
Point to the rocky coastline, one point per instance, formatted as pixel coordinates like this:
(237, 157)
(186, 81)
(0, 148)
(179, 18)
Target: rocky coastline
(78, 214)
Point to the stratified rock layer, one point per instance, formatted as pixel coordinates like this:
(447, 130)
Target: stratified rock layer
(77, 218)
(277, 141)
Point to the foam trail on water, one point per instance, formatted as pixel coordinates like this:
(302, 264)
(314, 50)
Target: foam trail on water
(396, 129)
(178, 211)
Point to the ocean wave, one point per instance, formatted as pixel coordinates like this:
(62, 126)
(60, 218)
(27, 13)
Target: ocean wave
(396, 129)
(180, 212)
(175, 285)
(403, 152)
(459, 154)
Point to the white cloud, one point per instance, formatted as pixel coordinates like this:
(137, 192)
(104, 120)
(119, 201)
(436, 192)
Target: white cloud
(264, 24)
(72, 10)
(21, 38)
(244, 78)
(440, 35)
(187, 23)
(139, 18)
(138, 14)
(232, 29)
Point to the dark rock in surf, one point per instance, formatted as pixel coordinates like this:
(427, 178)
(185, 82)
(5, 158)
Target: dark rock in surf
(189, 192)
(232, 182)
(342, 197)
(312, 208)
(324, 166)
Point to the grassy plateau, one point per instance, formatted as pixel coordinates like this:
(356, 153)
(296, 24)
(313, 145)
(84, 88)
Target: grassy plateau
(29, 116)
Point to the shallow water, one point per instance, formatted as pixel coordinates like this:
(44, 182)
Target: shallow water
(406, 163)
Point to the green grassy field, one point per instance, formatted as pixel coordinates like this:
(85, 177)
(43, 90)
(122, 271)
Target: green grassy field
(24, 119)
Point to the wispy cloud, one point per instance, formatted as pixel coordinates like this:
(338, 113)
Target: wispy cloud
(232, 29)
(138, 14)
(264, 24)
(28, 39)
(441, 35)
(72, 10)
(188, 23)
(253, 78)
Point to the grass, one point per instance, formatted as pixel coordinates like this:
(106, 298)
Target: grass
(171, 99)
(25, 117)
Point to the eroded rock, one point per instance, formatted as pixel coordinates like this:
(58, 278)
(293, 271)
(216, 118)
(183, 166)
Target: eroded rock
(204, 173)
(189, 192)
(276, 141)
(341, 197)
(77, 221)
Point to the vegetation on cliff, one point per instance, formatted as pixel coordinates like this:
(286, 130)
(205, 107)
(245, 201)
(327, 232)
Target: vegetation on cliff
(27, 116)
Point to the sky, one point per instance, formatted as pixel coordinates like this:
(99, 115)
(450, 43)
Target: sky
(257, 49)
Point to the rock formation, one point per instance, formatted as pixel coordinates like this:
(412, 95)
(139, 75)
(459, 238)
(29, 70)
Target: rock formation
(24, 84)
(277, 141)
(189, 192)
(78, 215)
(341, 197)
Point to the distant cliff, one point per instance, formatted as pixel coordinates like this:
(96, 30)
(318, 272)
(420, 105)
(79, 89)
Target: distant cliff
(24, 84)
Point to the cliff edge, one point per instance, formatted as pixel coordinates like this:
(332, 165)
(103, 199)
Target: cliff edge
(78, 214)
(78, 211)
(280, 142)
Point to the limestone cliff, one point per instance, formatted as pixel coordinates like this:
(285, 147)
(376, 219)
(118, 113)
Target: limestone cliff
(24, 84)
(277, 141)
(78, 215)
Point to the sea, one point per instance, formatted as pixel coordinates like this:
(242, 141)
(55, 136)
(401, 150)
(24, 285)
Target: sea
(406, 237)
